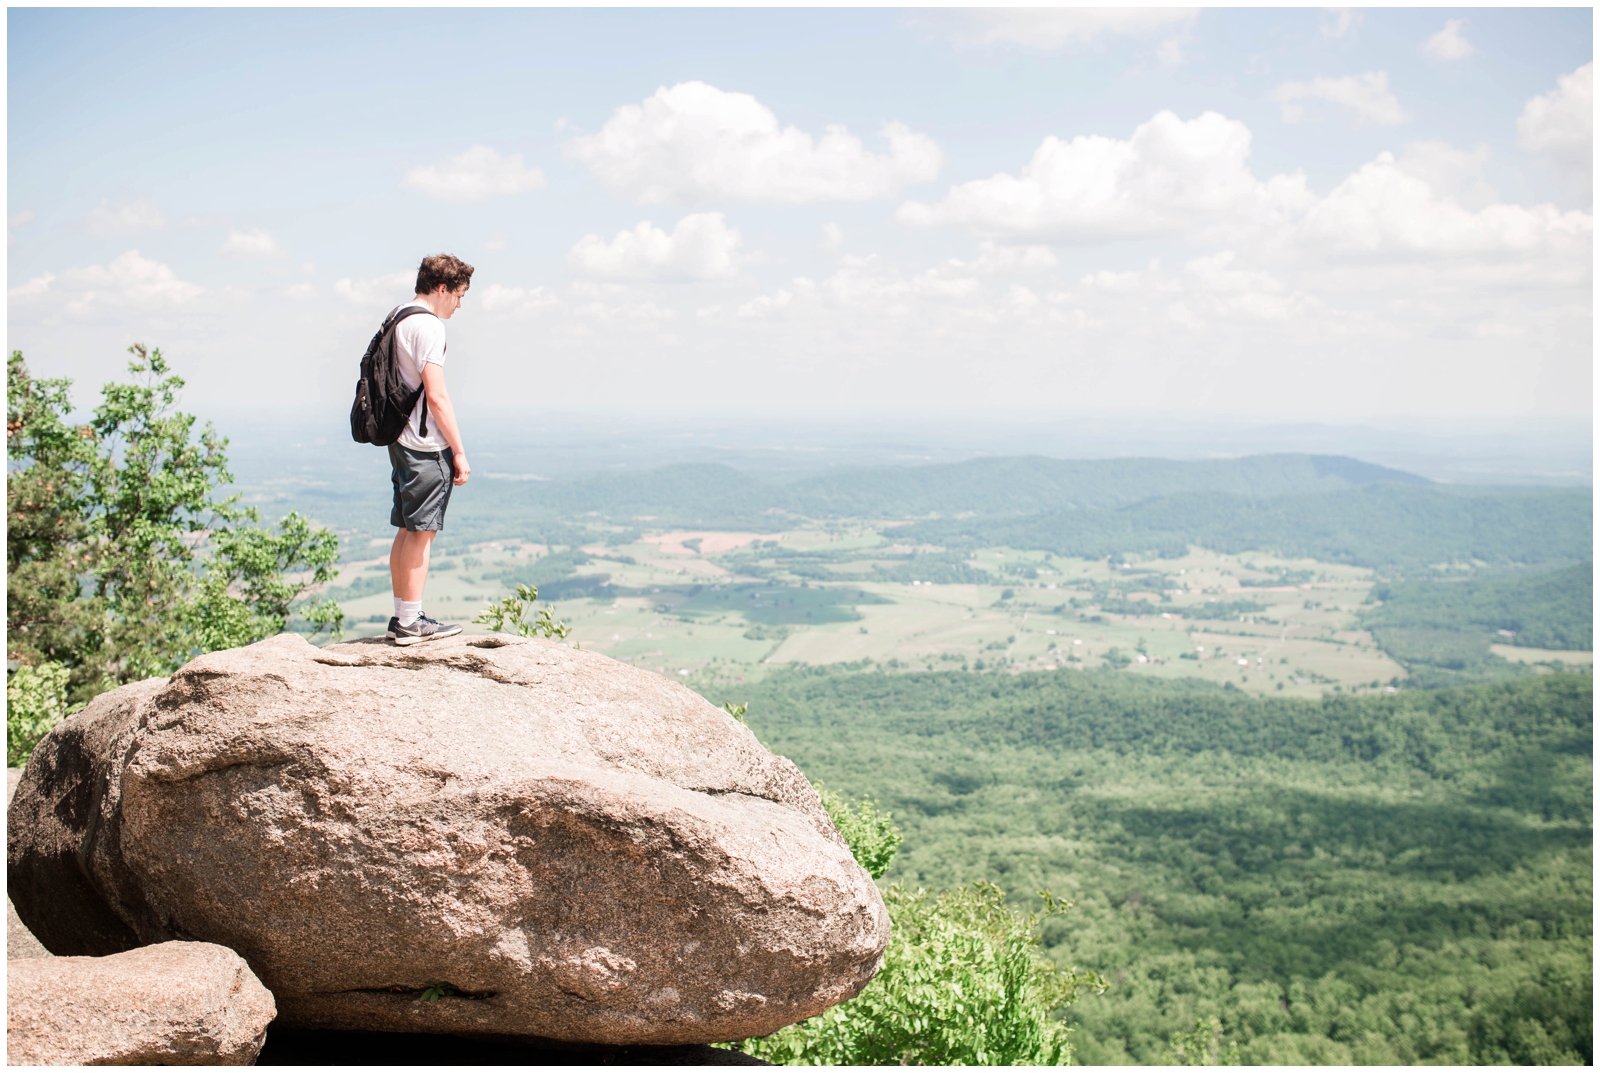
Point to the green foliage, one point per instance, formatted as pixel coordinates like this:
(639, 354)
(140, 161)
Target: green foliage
(434, 990)
(1384, 879)
(509, 616)
(36, 700)
(255, 563)
(962, 983)
(1201, 1047)
(735, 710)
(871, 835)
(121, 564)
(779, 605)
(1441, 630)
(938, 568)
(1381, 525)
(1224, 610)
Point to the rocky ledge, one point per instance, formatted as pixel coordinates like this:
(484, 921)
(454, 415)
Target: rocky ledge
(493, 836)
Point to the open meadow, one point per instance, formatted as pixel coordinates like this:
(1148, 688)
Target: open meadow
(733, 605)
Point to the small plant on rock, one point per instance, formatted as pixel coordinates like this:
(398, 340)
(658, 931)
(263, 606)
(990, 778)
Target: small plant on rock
(507, 616)
(434, 990)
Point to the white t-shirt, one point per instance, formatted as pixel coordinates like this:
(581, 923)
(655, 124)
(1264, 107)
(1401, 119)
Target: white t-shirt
(418, 340)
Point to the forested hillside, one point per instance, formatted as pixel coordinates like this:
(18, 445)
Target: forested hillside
(1377, 880)
(1552, 610)
(1384, 526)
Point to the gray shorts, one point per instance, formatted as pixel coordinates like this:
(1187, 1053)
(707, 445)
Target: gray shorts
(422, 483)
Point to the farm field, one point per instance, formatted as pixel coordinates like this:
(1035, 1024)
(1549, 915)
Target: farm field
(735, 605)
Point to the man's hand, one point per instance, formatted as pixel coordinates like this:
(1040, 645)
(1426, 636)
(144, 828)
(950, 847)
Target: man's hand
(462, 470)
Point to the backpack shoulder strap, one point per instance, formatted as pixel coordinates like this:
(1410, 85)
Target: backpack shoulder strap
(402, 313)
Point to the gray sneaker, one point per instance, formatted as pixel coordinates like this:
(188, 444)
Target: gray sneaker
(424, 629)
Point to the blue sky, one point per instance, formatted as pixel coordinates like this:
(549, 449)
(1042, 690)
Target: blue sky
(1300, 213)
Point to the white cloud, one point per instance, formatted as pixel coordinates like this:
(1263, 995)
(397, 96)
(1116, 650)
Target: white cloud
(763, 304)
(1367, 94)
(300, 292)
(252, 242)
(994, 257)
(517, 301)
(496, 242)
(635, 314)
(1047, 28)
(16, 220)
(832, 237)
(1453, 173)
(1380, 209)
(393, 288)
(124, 218)
(129, 280)
(36, 287)
(1222, 290)
(701, 247)
(479, 174)
(1171, 52)
(1337, 22)
(1105, 279)
(1560, 125)
(1448, 44)
(694, 142)
(1170, 177)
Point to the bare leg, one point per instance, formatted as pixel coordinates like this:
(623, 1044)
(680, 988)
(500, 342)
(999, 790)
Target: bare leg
(408, 562)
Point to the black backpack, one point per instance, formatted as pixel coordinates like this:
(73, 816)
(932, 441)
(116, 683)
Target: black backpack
(383, 402)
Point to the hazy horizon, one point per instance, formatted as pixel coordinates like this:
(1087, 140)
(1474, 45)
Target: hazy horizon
(556, 444)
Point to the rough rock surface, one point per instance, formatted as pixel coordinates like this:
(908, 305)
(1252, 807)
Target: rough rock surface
(20, 942)
(183, 1004)
(583, 850)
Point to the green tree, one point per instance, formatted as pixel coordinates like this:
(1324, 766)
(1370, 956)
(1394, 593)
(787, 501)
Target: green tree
(1201, 1046)
(122, 563)
(962, 983)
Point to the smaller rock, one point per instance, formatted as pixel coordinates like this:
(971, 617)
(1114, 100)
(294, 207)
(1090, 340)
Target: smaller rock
(168, 1004)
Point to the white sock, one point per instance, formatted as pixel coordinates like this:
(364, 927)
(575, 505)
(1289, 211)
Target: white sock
(407, 611)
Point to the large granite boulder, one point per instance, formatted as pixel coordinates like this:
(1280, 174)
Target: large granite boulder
(569, 847)
(173, 1004)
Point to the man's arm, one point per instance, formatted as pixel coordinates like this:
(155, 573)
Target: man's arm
(443, 416)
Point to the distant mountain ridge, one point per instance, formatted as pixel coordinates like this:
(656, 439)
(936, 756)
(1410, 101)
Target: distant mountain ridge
(698, 493)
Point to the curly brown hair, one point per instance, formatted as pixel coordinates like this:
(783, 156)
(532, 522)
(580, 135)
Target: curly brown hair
(442, 269)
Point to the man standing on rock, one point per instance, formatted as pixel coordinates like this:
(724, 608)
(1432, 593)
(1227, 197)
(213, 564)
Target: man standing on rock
(428, 459)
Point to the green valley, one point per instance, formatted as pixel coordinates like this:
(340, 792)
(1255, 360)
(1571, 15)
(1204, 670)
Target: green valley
(1376, 880)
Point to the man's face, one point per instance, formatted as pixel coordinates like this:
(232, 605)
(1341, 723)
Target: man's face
(449, 301)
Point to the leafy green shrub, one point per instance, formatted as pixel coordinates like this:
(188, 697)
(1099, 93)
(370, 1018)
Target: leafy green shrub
(507, 616)
(962, 983)
(871, 835)
(36, 700)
